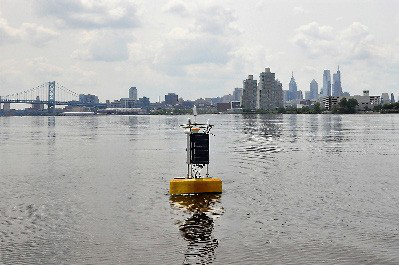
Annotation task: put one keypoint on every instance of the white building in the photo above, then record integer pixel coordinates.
(366, 102)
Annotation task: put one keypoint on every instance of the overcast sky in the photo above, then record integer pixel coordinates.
(196, 48)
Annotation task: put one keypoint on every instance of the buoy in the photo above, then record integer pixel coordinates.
(197, 160)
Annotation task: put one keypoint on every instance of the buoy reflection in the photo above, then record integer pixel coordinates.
(197, 228)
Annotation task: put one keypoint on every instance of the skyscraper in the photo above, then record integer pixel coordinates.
(249, 93)
(392, 98)
(133, 93)
(337, 88)
(270, 91)
(326, 83)
(293, 89)
(314, 89)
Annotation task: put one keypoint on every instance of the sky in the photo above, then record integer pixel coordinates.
(196, 48)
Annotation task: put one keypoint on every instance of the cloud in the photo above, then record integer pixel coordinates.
(352, 43)
(176, 7)
(89, 14)
(27, 32)
(104, 45)
(216, 20)
(209, 40)
(176, 54)
(43, 68)
(298, 10)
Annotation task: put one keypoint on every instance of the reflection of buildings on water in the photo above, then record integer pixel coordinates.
(197, 228)
(262, 125)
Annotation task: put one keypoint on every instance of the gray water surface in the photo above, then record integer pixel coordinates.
(297, 189)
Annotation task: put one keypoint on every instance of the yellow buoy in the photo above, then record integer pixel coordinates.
(194, 186)
(197, 159)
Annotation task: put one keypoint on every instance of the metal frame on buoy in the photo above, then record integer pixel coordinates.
(197, 159)
(197, 147)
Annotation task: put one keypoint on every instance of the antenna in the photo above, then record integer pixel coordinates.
(195, 113)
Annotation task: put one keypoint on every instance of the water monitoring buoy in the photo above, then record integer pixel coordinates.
(197, 160)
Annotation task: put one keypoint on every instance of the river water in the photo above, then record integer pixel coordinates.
(297, 189)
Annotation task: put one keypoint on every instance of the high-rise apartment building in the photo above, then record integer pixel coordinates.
(133, 93)
(314, 90)
(293, 89)
(326, 84)
(237, 94)
(269, 92)
(337, 88)
(249, 93)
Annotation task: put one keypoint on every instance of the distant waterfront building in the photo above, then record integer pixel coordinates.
(299, 95)
(133, 93)
(90, 99)
(293, 89)
(223, 107)
(307, 95)
(249, 95)
(237, 94)
(365, 102)
(270, 91)
(37, 105)
(171, 99)
(144, 102)
(127, 103)
(314, 90)
(227, 98)
(6, 107)
(326, 84)
(337, 88)
(385, 98)
(392, 98)
(285, 95)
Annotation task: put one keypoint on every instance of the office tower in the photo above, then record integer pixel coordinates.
(171, 99)
(293, 89)
(133, 93)
(337, 88)
(299, 95)
(314, 89)
(392, 98)
(286, 94)
(249, 93)
(307, 95)
(237, 94)
(326, 83)
(270, 91)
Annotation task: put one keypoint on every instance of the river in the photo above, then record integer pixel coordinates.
(297, 189)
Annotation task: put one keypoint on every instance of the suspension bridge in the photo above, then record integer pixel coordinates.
(50, 94)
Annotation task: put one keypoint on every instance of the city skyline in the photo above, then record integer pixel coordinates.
(195, 49)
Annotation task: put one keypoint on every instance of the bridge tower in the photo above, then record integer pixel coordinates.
(51, 97)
